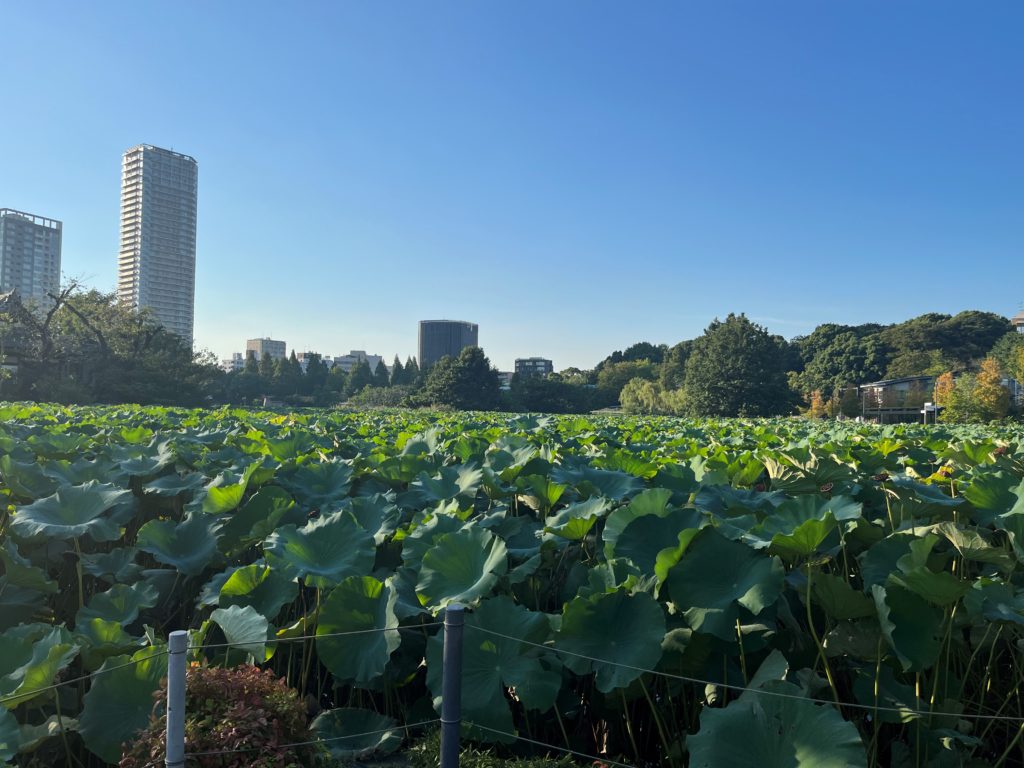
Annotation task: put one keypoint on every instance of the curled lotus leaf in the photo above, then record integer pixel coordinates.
(462, 567)
(31, 657)
(354, 734)
(120, 603)
(358, 604)
(266, 589)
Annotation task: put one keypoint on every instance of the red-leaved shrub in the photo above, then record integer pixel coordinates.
(242, 708)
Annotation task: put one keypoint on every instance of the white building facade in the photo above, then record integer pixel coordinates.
(157, 260)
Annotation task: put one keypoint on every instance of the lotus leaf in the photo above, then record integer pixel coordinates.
(716, 577)
(10, 736)
(623, 631)
(264, 588)
(246, 629)
(119, 700)
(575, 521)
(31, 656)
(189, 546)
(354, 734)
(324, 551)
(358, 604)
(19, 572)
(461, 567)
(315, 485)
(72, 512)
(119, 604)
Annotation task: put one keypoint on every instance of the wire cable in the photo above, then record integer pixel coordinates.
(516, 736)
(745, 689)
(35, 691)
(269, 641)
(266, 748)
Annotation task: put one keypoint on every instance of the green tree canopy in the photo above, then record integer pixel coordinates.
(467, 381)
(737, 369)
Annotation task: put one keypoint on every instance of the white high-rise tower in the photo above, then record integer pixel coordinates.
(156, 268)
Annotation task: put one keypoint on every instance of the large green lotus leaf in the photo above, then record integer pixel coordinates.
(116, 566)
(324, 551)
(266, 589)
(375, 514)
(256, 519)
(34, 736)
(226, 492)
(799, 526)
(175, 484)
(539, 492)
(99, 639)
(354, 734)
(10, 736)
(291, 446)
(616, 627)
(31, 656)
(19, 605)
(358, 604)
(82, 471)
(939, 588)
(491, 663)
(575, 521)
(19, 572)
(651, 502)
(764, 731)
(971, 545)
(838, 599)
(646, 537)
(910, 626)
(120, 603)
(72, 512)
(246, 629)
(715, 577)
(462, 567)
(992, 492)
(189, 546)
(448, 483)
(611, 484)
(316, 485)
(416, 544)
(880, 560)
(27, 480)
(120, 699)
(995, 601)
(487, 659)
(144, 461)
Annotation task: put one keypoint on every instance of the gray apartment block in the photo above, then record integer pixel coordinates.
(529, 367)
(445, 337)
(157, 261)
(29, 255)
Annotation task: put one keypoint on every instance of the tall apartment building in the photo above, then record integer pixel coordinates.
(529, 367)
(156, 268)
(445, 337)
(29, 255)
(266, 346)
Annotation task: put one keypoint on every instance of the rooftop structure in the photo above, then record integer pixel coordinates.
(356, 356)
(529, 367)
(29, 255)
(1018, 321)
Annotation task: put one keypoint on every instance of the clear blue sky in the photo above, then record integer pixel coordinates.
(573, 176)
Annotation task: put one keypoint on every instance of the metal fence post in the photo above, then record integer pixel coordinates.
(177, 645)
(451, 686)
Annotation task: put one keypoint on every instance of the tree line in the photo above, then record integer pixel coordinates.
(85, 347)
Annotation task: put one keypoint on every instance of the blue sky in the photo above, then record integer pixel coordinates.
(573, 176)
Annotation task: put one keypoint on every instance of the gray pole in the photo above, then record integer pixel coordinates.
(451, 686)
(177, 645)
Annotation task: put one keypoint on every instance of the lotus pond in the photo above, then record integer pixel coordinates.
(690, 593)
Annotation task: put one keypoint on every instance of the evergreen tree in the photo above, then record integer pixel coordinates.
(252, 367)
(380, 375)
(358, 378)
(397, 373)
(316, 374)
(412, 372)
(267, 366)
(737, 369)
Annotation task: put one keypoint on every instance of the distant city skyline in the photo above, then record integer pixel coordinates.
(573, 177)
(30, 253)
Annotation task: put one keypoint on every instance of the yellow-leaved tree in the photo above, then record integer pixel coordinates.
(943, 388)
(993, 399)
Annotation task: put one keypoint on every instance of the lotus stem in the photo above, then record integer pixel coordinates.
(817, 642)
(629, 725)
(657, 721)
(1010, 747)
(743, 656)
(78, 571)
